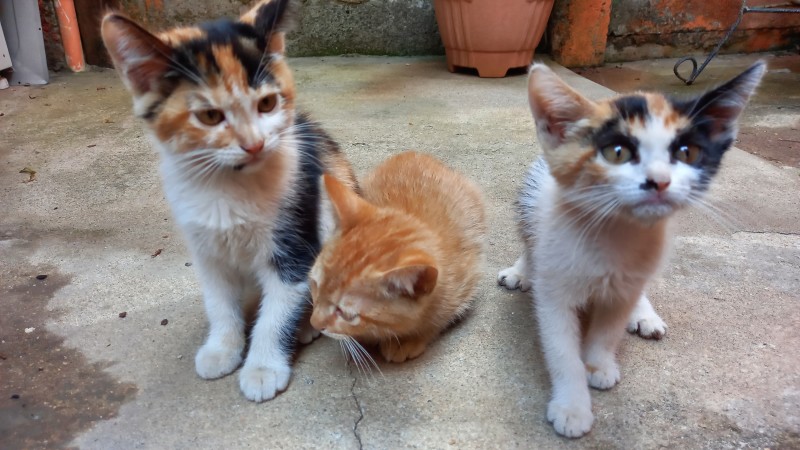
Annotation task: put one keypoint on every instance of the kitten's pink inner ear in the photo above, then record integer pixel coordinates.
(555, 105)
(141, 57)
(412, 281)
(277, 43)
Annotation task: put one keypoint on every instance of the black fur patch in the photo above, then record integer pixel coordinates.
(632, 107)
(296, 237)
(712, 149)
(269, 18)
(288, 339)
(611, 134)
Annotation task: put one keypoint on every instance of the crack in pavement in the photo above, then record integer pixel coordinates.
(360, 410)
(782, 233)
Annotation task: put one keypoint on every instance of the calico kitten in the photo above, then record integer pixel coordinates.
(241, 170)
(593, 218)
(405, 260)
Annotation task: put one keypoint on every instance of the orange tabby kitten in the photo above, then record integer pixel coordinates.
(405, 259)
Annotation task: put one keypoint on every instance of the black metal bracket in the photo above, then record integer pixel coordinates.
(742, 11)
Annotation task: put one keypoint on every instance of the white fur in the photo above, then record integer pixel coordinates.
(570, 272)
(593, 249)
(228, 219)
(645, 322)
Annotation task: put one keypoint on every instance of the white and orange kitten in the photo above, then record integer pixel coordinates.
(593, 218)
(241, 170)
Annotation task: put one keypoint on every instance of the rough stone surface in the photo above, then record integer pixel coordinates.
(726, 375)
(675, 28)
(324, 27)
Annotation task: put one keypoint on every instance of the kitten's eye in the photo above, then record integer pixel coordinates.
(344, 315)
(210, 117)
(267, 103)
(617, 154)
(688, 154)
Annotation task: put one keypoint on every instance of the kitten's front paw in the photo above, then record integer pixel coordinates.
(261, 383)
(306, 333)
(570, 419)
(512, 279)
(603, 376)
(648, 326)
(215, 360)
(396, 352)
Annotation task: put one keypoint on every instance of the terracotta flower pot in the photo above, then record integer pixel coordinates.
(491, 35)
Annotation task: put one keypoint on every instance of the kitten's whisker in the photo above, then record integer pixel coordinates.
(369, 357)
(717, 214)
(597, 214)
(358, 359)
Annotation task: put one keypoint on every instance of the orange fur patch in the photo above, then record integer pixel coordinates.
(419, 213)
(177, 36)
(235, 74)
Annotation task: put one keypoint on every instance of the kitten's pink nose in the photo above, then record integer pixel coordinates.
(255, 148)
(659, 186)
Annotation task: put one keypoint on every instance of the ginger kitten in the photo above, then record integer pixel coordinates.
(405, 259)
(241, 170)
(593, 219)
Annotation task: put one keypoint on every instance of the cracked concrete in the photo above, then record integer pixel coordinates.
(360, 411)
(726, 376)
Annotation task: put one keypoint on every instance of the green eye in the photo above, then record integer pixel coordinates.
(687, 154)
(617, 154)
(210, 117)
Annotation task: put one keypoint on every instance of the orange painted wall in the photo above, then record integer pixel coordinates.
(669, 28)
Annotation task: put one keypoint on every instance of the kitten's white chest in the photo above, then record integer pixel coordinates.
(224, 221)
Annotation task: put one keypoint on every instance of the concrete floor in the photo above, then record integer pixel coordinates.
(72, 372)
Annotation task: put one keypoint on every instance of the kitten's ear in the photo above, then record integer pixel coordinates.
(271, 19)
(556, 107)
(141, 58)
(347, 205)
(415, 278)
(723, 105)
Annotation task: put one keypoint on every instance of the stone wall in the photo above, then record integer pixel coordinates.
(324, 27)
(672, 28)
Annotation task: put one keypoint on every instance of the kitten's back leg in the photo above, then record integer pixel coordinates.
(645, 322)
(517, 276)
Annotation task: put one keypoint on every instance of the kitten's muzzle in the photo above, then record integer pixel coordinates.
(253, 148)
(658, 186)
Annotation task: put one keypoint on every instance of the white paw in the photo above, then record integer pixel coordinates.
(307, 333)
(512, 279)
(215, 360)
(603, 376)
(648, 326)
(260, 383)
(570, 420)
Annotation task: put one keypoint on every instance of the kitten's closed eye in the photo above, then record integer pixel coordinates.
(345, 315)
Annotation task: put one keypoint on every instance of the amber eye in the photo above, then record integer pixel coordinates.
(617, 154)
(344, 315)
(267, 103)
(210, 117)
(688, 154)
